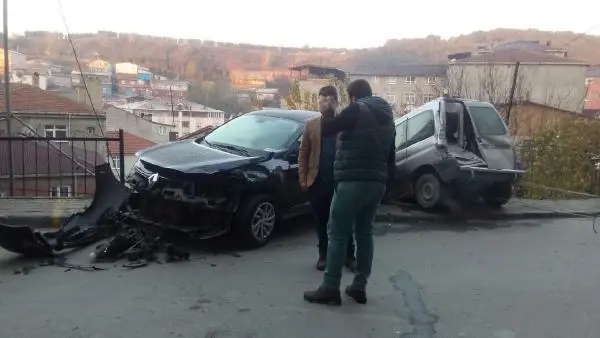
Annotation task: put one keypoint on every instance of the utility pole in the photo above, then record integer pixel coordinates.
(7, 98)
(512, 93)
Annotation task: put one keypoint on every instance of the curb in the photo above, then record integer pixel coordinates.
(54, 222)
(406, 218)
(35, 222)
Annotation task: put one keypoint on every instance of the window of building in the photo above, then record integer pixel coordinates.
(410, 80)
(91, 130)
(162, 130)
(428, 97)
(431, 80)
(115, 163)
(409, 98)
(390, 98)
(61, 191)
(374, 79)
(391, 80)
(54, 131)
(185, 124)
(420, 127)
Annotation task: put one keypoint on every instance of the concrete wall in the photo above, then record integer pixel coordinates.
(561, 86)
(121, 119)
(528, 119)
(77, 126)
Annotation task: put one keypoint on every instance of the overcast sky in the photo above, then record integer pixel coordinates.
(317, 23)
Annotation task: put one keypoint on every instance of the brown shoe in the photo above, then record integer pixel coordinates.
(323, 296)
(321, 264)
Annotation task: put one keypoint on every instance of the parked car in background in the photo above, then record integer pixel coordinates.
(241, 178)
(455, 148)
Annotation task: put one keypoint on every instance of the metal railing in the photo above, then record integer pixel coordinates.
(57, 166)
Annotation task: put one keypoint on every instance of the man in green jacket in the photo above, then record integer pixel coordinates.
(364, 165)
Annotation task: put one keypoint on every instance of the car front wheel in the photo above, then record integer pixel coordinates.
(255, 221)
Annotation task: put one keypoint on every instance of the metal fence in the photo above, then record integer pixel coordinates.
(56, 167)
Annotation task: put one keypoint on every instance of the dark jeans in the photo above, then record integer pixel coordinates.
(354, 206)
(320, 194)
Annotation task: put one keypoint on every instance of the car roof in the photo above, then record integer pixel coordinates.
(296, 115)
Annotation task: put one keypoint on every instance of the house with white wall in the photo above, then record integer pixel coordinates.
(185, 115)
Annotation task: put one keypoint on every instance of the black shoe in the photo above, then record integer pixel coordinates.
(323, 296)
(359, 296)
(321, 263)
(351, 264)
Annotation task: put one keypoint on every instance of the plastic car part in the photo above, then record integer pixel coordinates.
(77, 230)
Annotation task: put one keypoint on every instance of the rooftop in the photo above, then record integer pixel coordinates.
(165, 105)
(320, 70)
(29, 99)
(515, 55)
(132, 143)
(400, 70)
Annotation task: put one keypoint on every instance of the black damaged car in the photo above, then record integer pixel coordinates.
(241, 178)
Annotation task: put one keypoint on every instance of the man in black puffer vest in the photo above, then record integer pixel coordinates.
(364, 165)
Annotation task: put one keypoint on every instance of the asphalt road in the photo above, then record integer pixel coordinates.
(494, 280)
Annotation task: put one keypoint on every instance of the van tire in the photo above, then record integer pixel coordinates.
(428, 191)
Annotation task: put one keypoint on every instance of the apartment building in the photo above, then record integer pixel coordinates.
(404, 86)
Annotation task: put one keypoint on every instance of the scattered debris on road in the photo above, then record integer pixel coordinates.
(107, 217)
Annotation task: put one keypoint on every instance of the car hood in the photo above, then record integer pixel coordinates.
(187, 156)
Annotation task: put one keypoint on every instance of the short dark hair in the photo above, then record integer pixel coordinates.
(329, 91)
(359, 88)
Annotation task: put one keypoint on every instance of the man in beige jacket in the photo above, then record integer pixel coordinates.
(315, 168)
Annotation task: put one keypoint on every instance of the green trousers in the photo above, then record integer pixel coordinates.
(353, 208)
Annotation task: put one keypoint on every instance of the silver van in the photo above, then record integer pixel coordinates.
(452, 148)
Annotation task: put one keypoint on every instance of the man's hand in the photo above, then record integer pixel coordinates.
(303, 186)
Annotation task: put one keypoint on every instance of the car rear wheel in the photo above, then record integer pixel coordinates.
(428, 191)
(255, 221)
(498, 195)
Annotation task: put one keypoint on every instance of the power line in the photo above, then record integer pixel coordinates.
(83, 77)
(584, 33)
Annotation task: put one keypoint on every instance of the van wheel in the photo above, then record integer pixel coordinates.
(498, 195)
(254, 222)
(428, 191)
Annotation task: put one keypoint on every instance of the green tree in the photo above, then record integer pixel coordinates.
(301, 99)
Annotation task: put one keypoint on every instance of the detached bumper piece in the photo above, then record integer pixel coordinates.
(80, 229)
(104, 218)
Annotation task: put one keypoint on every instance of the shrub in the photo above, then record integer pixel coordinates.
(560, 157)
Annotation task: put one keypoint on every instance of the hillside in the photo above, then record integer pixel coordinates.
(207, 60)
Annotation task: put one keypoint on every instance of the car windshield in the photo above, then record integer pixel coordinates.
(259, 132)
(487, 121)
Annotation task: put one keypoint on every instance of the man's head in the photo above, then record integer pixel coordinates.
(328, 100)
(358, 89)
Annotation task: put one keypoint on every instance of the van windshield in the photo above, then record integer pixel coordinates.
(487, 121)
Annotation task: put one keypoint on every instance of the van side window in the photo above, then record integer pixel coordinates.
(420, 127)
(401, 135)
